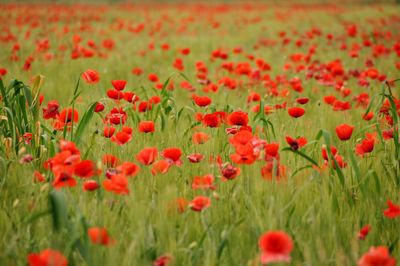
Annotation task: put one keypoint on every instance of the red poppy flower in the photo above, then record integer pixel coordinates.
(99, 235)
(153, 77)
(253, 97)
(146, 127)
(147, 156)
(115, 94)
(85, 169)
(302, 100)
(271, 150)
(137, 71)
(230, 172)
(90, 185)
(330, 99)
(244, 154)
(201, 101)
(325, 153)
(155, 100)
(296, 112)
(52, 110)
(99, 107)
(341, 106)
(185, 51)
(200, 203)
(238, 118)
(200, 138)
(68, 115)
(130, 97)
(203, 182)
(127, 130)
(273, 169)
(69, 146)
(295, 144)
(367, 144)
(392, 211)
(63, 179)
(364, 232)
(119, 85)
(340, 162)
(160, 167)
(275, 246)
(117, 116)
(211, 120)
(3, 72)
(121, 138)
(241, 138)
(91, 76)
(172, 155)
(38, 177)
(144, 106)
(117, 184)
(163, 260)
(27, 137)
(108, 131)
(377, 256)
(128, 169)
(344, 131)
(110, 160)
(368, 116)
(47, 257)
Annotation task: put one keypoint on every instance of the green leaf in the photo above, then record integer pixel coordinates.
(305, 156)
(83, 124)
(327, 138)
(377, 182)
(58, 209)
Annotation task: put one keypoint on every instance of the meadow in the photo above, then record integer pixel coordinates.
(199, 134)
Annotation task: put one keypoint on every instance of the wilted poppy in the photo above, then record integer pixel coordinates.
(52, 110)
(230, 172)
(195, 157)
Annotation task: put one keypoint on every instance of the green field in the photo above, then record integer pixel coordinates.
(254, 62)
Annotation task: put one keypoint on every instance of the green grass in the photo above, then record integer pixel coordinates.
(322, 215)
